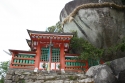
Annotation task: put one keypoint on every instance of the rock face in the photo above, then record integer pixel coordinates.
(118, 65)
(103, 27)
(121, 77)
(69, 7)
(110, 72)
(102, 74)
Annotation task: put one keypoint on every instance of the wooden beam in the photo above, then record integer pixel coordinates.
(22, 51)
(67, 54)
(54, 40)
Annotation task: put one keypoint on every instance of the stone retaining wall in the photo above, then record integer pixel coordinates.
(29, 76)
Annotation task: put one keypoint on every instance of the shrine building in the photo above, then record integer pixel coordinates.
(48, 51)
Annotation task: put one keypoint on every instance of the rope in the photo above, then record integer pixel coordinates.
(69, 18)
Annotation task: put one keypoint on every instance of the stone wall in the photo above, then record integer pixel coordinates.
(29, 76)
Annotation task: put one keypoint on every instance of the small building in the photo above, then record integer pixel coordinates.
(49, 51)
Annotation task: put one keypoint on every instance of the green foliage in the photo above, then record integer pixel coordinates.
(114, 50)
(22, 81)
(55, 28)
(86, 50)
(3, 70)
(2, 79)
(3, 67)
(108, 63)
(51, 29)
(121, 45)
(76, 44)
(59, 27)
(89, 51)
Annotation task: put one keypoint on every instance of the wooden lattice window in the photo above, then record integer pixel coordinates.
(44, 55)
(55, 55)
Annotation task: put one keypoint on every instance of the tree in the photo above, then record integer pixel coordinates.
(55, 28)
(51, 29)
(88, 51)
(3, 70)
(85, 49)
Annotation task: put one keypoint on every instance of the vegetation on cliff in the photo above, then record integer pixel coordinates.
(85, 49)
(88, 51)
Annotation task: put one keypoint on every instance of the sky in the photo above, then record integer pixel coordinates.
(16, 16)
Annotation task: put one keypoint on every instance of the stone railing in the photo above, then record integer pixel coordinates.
(29, 76)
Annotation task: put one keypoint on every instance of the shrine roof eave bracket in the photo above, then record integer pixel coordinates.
(28, 42)
(47, 36)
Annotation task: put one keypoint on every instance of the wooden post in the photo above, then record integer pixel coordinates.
(62, 57)
(37, 58)
(87, 65)
(11, 66)
(50, 57)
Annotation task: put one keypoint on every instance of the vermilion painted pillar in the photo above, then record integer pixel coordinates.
(62, 57)
(87, 65)
(37, 58)
(11, 66)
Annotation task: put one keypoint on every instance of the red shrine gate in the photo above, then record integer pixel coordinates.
(44, 40)
(48, 50)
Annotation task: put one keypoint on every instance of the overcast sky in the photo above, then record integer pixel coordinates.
(18, 15)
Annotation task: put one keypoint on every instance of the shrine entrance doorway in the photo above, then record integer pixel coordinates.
(50, 58)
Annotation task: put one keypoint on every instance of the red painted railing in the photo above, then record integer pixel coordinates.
(70, 64)
(78, 65)
(75, 65)
(24, 63)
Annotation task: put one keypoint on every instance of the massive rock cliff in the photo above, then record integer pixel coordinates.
(102, 24)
